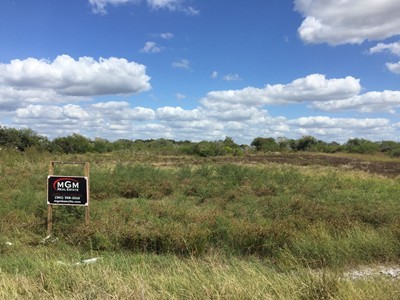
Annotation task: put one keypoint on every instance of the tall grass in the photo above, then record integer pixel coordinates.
(326, 216)
(196, 231)
(46, 275)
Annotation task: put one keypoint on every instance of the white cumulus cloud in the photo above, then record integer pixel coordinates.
(51, 114)
(386, 101)
(393, 48)
(237, 113)
(168, 113)
(394, 67)
(64, 79)
(342, 21)
(342, 129)
(121, 111)
(314, 87)
(327, 122)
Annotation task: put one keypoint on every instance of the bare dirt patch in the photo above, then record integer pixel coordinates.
(368, 272)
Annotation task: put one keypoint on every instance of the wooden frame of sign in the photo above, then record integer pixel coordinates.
(67, 190)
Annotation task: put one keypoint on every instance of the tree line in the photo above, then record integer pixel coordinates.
(23, 139)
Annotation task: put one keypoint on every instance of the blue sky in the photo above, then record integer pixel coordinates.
(201, 70)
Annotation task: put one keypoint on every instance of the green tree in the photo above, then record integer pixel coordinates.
(102, 145)
(284, 144)
(22, 139)
(265, 144)
(75, 143)
(359, 145)
(305, 143)
(123, 144)
(325, 147)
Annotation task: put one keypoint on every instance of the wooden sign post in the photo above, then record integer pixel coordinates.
(67, 190)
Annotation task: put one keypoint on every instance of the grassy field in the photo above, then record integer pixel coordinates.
(192, 228)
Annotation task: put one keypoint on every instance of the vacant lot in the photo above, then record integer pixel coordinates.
(277, 226)
(371, 164)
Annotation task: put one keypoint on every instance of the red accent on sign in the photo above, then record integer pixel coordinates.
(63, 179)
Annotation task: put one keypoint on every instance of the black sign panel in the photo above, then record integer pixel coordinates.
(67, 190)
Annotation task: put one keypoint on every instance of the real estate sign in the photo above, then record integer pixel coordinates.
(67, 190)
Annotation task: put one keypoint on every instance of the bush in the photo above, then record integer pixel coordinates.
(361, 146)
(22, 139)
(75, 143)
(265, 144)
(305, 143)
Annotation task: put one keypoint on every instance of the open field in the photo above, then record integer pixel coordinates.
(374, 164)
(292, 226)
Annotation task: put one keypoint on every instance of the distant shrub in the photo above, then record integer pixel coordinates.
(395, 153)
(22, 139)
(75, 143)
(305, 143)
(265, 144)
(358, 145)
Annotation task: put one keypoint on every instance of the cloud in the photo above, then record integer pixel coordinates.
(240, 113)
(394, 67)
(190, 10)
(106, 119)
(314, 87)
(166, 35)
(327, 122)
(173, 5)
(66, 115)
(181, 64)
(115, 119)
(100, 6)
(342, 129)
(337, 94)
(214, 75)
(168, 113)
(151, 47)
(120, 111)
(169, 4)
(12, 98)
(340, 22)
(111, 105)
(393, 48)
(82, 77)
(237, 113)
(180, 96)
(232, 77)
(386, 101)
(39, 81)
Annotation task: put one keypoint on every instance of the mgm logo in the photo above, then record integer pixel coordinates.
(66, 184)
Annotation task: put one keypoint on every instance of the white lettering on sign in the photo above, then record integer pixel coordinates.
(68, 190)
(66, 185)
